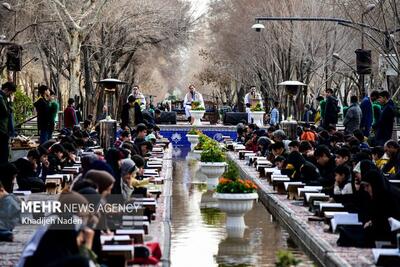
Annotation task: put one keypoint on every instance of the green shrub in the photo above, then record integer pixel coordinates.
(196, 105)
(212, 153)
(286, 258)
(257, 108)
(22, 105)
(232, 171)
(194, 131)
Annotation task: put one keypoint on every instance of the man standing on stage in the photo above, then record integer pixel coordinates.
(191, 96)
(251, 99)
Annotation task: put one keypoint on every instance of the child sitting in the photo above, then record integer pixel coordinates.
(342, 181)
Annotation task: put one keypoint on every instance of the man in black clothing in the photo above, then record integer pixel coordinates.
(6, 120)
(331, 109)
(44, 119)
(131, 115)
(384, 126)
(27, 176)
(326, 166)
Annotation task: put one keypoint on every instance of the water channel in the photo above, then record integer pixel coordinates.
(199, 236)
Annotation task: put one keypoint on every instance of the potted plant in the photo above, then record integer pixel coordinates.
(193, 137)
(235, 197)
(197, 112)
(198, 149)
(212, 163)
(257, 115)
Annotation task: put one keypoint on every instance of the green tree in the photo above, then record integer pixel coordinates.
(23, 106)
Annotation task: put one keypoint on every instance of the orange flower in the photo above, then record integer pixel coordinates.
(224, 181)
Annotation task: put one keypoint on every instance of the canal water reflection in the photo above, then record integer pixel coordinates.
(199, 236)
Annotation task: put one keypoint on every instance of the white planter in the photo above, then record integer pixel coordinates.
(197, 115)
(213, 171)
(193, 140)
(197, 154)
(235, 206)
(258, 117)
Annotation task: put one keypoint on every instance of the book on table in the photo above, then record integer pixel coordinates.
(344, 219)
(386, 256)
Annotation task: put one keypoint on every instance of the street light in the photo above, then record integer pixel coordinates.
(8, 7)
(336, 56)
(258, 27)
(369, 8)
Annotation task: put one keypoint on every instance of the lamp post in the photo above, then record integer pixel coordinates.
(344, 22)
(7, 7)
(369, 8)
(336, 56)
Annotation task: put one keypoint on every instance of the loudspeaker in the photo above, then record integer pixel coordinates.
(364, 61)
(14, 58)
(233, 118)
(167, 118)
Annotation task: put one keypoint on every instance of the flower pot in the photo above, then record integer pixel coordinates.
(197, 115)
(235, 206)
(197, 154)
(258, 117)
(193, 140)
(213, 171)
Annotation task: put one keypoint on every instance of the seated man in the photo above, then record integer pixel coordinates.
(71, 151)
(342, 181)
(9, 204)
(141, 133)
(326, 166)
(27, 172)
(56, 159)
(145, 149)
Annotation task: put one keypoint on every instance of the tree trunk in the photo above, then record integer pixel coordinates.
(75, 63)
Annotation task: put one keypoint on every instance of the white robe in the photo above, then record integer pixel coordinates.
(187, 102)
(249, 99)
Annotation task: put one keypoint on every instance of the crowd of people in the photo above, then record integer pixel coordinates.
(117, 172)
(354, 166)
(352, 169)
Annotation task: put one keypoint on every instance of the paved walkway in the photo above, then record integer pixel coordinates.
(293, 216)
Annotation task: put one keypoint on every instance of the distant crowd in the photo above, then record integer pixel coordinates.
(358, 167)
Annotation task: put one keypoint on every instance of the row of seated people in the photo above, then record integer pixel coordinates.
(364, 179)
(116, 177)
